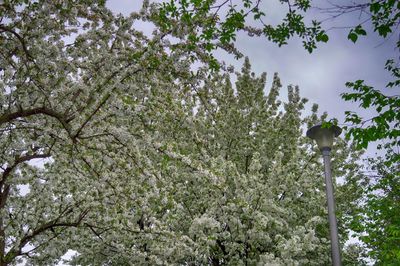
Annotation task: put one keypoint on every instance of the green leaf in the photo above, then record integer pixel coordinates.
(375, 7)
(383, 30)
(359, 30)
(352, 36)
(322, 37)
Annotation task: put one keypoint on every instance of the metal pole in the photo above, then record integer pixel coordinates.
(336, 260)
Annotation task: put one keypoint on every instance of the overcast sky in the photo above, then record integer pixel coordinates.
(320, 75)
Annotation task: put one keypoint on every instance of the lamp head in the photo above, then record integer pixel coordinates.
(324, 136)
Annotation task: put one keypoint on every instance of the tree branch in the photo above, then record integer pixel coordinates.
(8, 117)
(17, 251)
(20, 39)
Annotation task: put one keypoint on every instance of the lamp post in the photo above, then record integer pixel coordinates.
(324, 138)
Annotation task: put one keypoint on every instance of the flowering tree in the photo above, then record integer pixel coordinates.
(146, 157)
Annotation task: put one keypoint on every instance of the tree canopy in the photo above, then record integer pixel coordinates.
(147, 156)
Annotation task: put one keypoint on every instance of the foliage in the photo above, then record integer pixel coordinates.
(384, 126)
(384, 15)
(379, 222)
(216, 23)
(149, 158)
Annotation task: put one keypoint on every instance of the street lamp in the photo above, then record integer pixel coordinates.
(324, 137)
